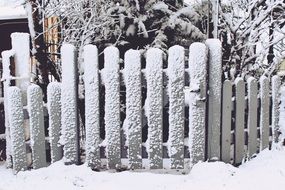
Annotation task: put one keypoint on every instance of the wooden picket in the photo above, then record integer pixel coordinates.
(215, 97)
(226, 122)
(7, 58)
(35, 108)
(252, 116)
(276, 83)
(69, 114)
(197, 104)
(16, 121)
(112, 107)
(239, 120)
(92, 116)
(210, 136)
(154, 106)
(54, 111)
(176, 106)
(264, 112)
(133, 120)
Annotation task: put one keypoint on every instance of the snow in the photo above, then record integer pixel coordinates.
(133, 122)
(11, 2)
(69, 117)
(176, 85)
(32, 31)
(154, 77)
(12, 12)
(264, 172)
(276, 83)
(214, 98)
(54, 110)
(282, 113)
(112, 106)
(21, 46)
(6, 78)
(197, 105)
(36, 118)
(16, 121)
(252, 116)
(264, 112)
(92, 117)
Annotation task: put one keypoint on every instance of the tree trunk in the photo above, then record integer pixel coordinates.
(44, 63)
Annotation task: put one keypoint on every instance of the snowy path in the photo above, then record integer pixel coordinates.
(266, 171)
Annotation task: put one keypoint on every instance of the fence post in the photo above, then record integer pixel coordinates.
(252, 116)
(35, 109)
(154, 76)
(239, 120)
(197, 105)
(112, 107)
(21, 46)
(226, 122)
(264, 112)
(214, 101)
(16, 121)
(54, 110)
(69, 114)
(6, 63)
(176, 106)
(276, 83)
(92, 112)
(132, 77)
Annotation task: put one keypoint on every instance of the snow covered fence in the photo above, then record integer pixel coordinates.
(7, 62)
(197, 103)
(16, 72)
(247, 125)
(69, 113)
(35, 108)
(54, 111)
(92, 116)
(151, 106)
(16, 121)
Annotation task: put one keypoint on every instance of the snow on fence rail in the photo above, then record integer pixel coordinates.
(243, 129)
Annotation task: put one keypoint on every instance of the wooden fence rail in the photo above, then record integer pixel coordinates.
(236, 127)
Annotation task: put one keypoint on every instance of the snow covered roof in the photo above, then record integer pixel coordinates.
(12, 12)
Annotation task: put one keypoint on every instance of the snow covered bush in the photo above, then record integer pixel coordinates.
(127, 24)
(253, 37)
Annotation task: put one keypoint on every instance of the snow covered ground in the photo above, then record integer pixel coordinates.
(266, 171)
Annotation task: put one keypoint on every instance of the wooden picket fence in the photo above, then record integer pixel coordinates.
(225, 120)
